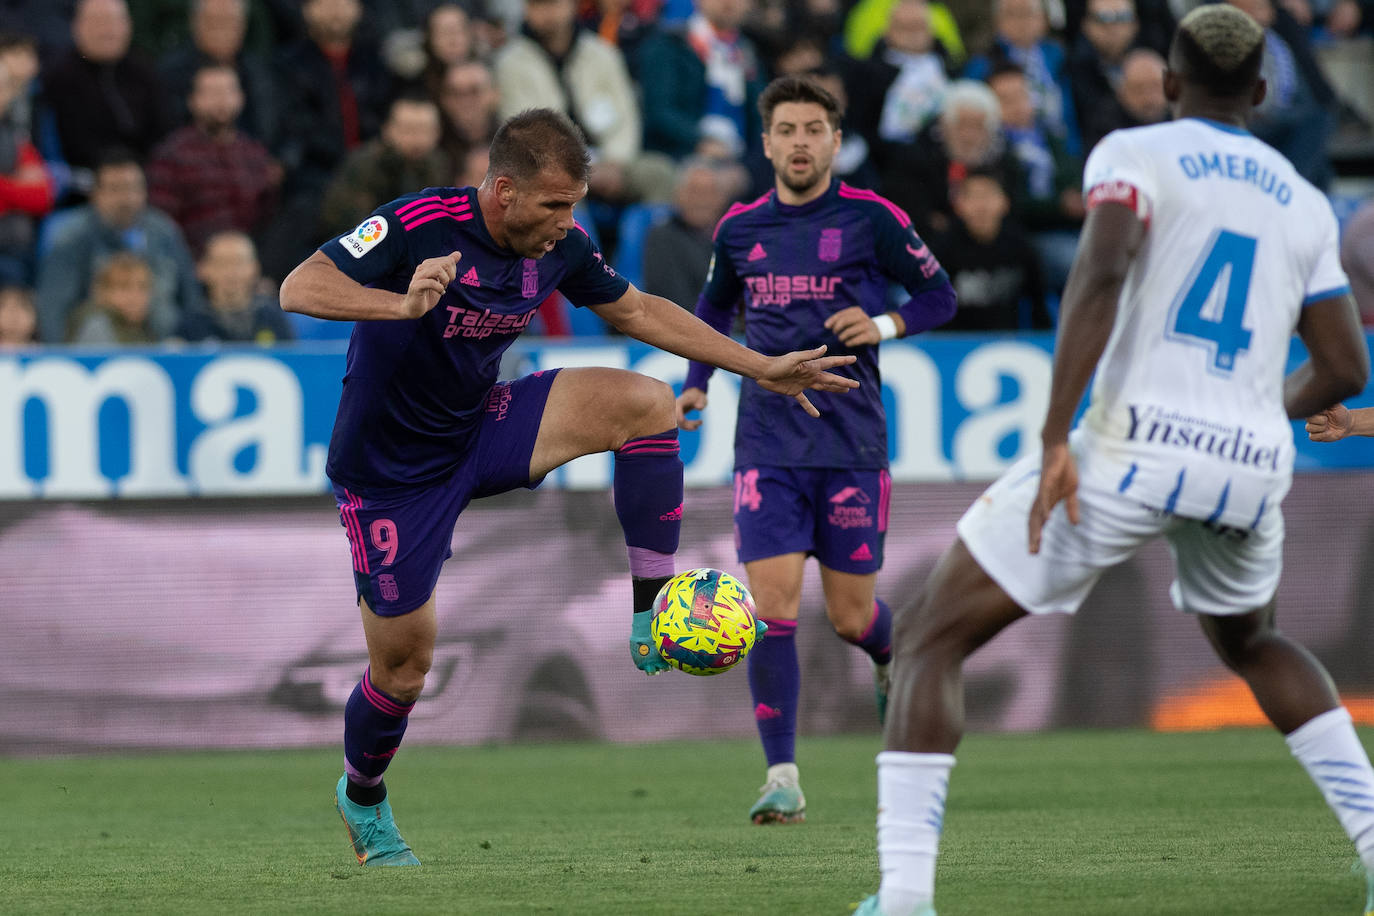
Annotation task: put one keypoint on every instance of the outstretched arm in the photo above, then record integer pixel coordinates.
(658, 322)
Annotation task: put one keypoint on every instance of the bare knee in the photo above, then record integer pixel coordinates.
(400, 651)
(1237, 639)
(645, 407)
(776, 603)
(959, 610)
(850, 619)
(401, 676)
(922, 630)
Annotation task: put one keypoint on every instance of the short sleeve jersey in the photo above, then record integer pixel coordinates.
(414, 390)
(1186, 412)
(794, 267)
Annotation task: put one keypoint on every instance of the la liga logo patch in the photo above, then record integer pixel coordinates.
(366, 237)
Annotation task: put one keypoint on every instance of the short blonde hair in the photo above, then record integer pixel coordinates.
(1219, 47)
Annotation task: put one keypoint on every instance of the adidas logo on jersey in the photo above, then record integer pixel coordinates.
(757, 253)
(470, 278)
(862, 555)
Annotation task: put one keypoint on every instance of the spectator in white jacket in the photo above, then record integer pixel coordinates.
(554, 63)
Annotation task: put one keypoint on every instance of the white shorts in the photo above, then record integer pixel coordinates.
(1217, 570)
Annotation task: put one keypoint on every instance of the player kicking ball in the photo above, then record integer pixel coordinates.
(440, 283)
(811, 262)
(1203, 251)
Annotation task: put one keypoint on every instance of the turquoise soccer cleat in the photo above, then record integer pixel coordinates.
(646, 656)
(782, 801)
(869, 907)
(371, 830)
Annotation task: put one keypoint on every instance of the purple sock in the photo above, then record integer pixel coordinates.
(373, 726)
(648, 495)
(877, 639)
(775, 683)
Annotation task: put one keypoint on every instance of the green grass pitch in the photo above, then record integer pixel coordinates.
(1062, 823)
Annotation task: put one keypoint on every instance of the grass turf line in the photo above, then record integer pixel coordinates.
(1063, 823)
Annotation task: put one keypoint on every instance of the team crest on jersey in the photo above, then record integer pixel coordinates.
(829, 248)
(366, 237)
(529, 278)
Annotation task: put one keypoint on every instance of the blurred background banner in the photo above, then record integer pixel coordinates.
(158, 620)
(156, 423)
(231, 623)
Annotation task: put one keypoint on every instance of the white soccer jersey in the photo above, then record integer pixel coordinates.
(1186, 413)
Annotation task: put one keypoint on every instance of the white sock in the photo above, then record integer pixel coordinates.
(785, 773)
(1330, 751)
(911, 812)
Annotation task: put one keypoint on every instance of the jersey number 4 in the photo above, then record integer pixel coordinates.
(1202, 318)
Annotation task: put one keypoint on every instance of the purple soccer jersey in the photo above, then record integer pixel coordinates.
(794, 267)
(414, 391)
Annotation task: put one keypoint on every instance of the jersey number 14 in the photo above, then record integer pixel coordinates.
(1221, 330)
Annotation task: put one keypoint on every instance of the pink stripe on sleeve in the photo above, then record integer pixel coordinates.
(415, 214)
(737, 209)
(859, 194)
(433, 216)
(433, 199)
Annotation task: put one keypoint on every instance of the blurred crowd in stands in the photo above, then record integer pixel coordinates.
(165, 163)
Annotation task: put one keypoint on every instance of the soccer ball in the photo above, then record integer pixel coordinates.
(704, 621)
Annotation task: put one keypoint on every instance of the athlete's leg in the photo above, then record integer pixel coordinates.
(775, 684)
(1297, 695)
(399, 544)
(861, 619)
(597, 410)
(960, 609)
(851, 528)
(985, 581)
(1289, 684)
(857, 615)
(400, 650)
(774, 672)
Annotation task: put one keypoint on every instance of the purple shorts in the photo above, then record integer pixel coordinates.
(838, 515)
(400, 541)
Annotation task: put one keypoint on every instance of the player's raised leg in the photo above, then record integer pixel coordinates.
(1297, 695)
(960, 610)
(400, 650)
(775, 685)
(597, 410)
